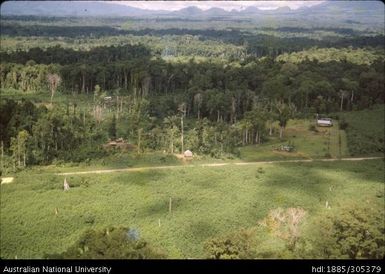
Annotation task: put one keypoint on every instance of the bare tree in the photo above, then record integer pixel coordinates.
(53, 80)
(182, 109)
(295, 216)
(66, 185)
(198, 103)
(285, 224)
(343, 94)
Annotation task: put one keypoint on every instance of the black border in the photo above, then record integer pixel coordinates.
(206, 266)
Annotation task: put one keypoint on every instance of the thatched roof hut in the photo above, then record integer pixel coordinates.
(188, 154)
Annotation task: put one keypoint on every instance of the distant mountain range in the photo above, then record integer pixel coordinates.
(68, 8)
(78, 8)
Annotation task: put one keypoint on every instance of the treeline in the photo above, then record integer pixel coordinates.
(356, 56)
(34, 134)
(64, 56)
(344, 31)
(256, 44)
(310, 85)
(268, 45)
(60, 31)
(100, 31)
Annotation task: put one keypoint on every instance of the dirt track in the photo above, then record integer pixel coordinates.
(213, 165)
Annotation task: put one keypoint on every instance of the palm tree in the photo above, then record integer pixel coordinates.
(284, 112)
(171, 127)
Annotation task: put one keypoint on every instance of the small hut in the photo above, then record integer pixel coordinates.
(188, 154)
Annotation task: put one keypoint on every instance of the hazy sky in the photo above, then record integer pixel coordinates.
(227, 5)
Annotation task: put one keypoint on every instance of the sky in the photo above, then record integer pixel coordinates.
(226, 5)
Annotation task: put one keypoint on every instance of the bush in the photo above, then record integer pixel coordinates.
(88, 218)
(334, 116)
(353, 232)
(313, 128)
(110, 243)
(232, 246)
(343, 124)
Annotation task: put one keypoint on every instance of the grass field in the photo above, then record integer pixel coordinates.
(225, 199)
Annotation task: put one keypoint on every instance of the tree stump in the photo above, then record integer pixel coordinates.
(66, 185)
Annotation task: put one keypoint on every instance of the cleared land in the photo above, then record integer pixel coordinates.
(308, 144)
(227, 194)
(225, 199)
(138, 169)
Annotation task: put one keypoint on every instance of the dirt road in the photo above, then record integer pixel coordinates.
(99, 171)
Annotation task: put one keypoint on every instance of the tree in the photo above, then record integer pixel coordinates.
(306, 88)
(355, 231)
(284, 113)
(192, 140)
(198, 104)
(182, 109)
(53, 82)
(110, 243)
(235, 245)
(255, 121)
(285, 224)
(274, 88)
(171, 128)
(19, 148)
(351, 86)
(140, 131)
(112, 128)
(98, 102)
(343, 94)
(271, 116)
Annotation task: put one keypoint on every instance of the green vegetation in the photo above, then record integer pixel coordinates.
(113, 243)
(351, 232)
(355, 56)
(90, 95)
(365, 131)
(317, 143)
(225, 199)
(356, 232)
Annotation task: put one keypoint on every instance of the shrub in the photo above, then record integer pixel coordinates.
(285, 224)
(232, 246)
(353, 232)
(109, 243)
(275, 236)
(313, 128)
(343, 124)
(327, 155)
(88, 218)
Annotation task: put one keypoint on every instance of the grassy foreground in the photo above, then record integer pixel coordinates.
(224, 199)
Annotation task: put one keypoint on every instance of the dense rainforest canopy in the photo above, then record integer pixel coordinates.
(230, 85)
